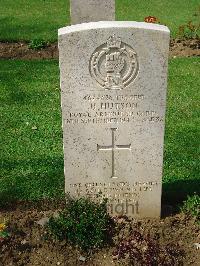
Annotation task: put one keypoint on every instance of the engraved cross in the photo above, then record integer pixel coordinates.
(112, 148)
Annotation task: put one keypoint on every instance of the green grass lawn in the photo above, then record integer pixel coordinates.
(172, 13)
(182, 148)
(31, 140)
(31, 136)
(32, 19)
(40, 19)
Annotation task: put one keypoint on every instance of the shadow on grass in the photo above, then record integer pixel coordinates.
(176, 192)
(45, 180)
(16, 32)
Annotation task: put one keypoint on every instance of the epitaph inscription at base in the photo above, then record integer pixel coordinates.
(113, 90)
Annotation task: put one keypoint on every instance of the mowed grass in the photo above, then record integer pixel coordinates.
(32, 19)
(182, 138)
(31, 137)
(172, 13)
(31, 134)
(40, 19)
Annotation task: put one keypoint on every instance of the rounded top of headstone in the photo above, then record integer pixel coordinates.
(112, 24)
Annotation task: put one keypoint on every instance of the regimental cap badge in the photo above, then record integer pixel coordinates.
(114, 64)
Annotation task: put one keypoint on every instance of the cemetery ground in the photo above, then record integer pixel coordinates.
(41, 20)
(28, 20)
(32, 178)
(38, 49)
(32, 162)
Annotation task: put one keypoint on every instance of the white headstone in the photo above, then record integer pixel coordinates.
(91, 10)
(113, 86)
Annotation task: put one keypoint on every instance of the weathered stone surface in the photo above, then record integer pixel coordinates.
(91, 10)
(113, 89)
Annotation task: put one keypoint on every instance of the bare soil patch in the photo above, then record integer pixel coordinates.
(30, 246)
(185, 48)
(20, 50)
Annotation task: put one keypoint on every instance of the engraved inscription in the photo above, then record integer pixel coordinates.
(112, 148)
(120, 109)
(114, 64)
(114, 191)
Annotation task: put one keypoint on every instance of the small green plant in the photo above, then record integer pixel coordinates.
(189, 30)
(83, 223)
(192, 206)
(37, 44)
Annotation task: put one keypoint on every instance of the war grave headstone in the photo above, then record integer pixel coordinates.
(91, 10)
(113, 95)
